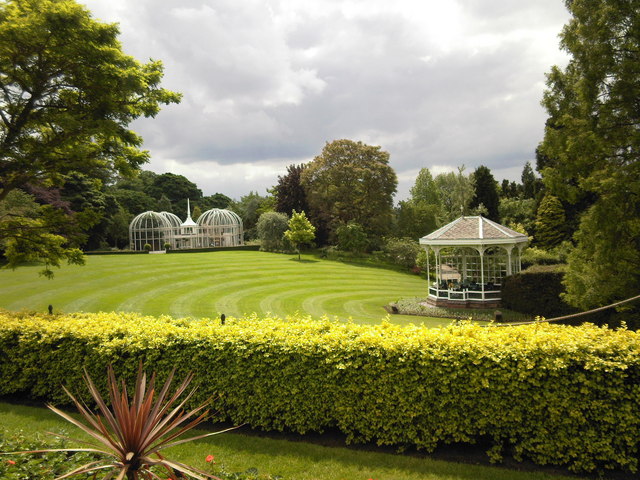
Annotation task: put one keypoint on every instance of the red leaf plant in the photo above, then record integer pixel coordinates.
(130, 434)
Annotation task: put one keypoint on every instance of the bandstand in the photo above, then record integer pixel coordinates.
(472, 257)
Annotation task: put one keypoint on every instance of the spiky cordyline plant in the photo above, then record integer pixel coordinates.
(131, 434)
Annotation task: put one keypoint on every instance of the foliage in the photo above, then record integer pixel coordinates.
(352, 238)
(300, 231)
(289, 191)
(605, 265)
(43, 466)
(29, 232)
(518, 211)
(217, 200)
(177, 188)
(147, 247)
(69, 94)
(550, 223)
(418, 306)
(415, 219)
(531, 185)
(536, 292)
(351, 181)
(485, 192)
(249, 208)
(271, 227)
(402, 251)
(425, 189)
(69, 111)
(590, 149)
(52, 464)
(551, 393)
(130, 432)
(456, 190)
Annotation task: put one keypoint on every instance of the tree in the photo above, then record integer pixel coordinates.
(300, 231)
(591, 144)
(217, 200)
(351, 181)
(177, 188)
(455, 191)
(271, 227)
(550, 223)
(29, 232)
(486, 192)
(518, 211)
(249, 207)
(289, 192)
(352, 238)
(164, 204)
(195, 215)
(67, 96)
(425, 189)
(416, 219)
(530, 184)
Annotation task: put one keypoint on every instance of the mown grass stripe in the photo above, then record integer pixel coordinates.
(207, 284)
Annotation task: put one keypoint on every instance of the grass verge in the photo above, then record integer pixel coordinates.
(291, 460)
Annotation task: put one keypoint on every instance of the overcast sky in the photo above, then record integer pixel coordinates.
(266, 83)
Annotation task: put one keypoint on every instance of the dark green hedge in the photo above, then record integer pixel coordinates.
(536, 291)
(554, 394)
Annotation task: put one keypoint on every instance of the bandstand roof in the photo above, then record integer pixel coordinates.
(474, 230)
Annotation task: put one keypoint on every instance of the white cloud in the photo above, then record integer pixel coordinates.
(267, 82)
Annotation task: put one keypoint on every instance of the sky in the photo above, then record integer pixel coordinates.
(267, 83)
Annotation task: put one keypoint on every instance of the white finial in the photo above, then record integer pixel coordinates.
(188, 209)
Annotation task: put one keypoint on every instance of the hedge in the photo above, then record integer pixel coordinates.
(536, 291)
(554, 394)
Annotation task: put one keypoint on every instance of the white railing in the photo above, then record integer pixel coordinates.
(464, 294)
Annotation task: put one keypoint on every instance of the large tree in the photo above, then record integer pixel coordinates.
(455, 190)
(177, 188)
(591, 147)
(67, 96)
(289, 192)
(486, 192)
(351, 181)
(425, 189)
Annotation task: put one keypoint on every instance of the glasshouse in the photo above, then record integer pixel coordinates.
(472, 257)
(214, 228)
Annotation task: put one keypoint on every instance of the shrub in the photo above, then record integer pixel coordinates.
(352, 238)
(147, 247)
(536, 291)
(552, 393)
(402, 251)
(271, 227)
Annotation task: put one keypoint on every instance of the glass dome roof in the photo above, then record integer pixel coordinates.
(219, 217)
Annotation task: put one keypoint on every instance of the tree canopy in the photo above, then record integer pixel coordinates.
(351, 181)
(486, 192)
(591, 144)
(67, 96)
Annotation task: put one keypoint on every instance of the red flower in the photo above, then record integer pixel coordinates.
(209, 459)
(11, 462)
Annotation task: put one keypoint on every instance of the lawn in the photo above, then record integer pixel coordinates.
(297, 460)
(208, 284)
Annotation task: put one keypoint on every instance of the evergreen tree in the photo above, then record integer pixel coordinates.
(591, 144)
(486, 193)
(550, 223)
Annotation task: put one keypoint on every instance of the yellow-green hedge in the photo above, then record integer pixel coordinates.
(555, 394)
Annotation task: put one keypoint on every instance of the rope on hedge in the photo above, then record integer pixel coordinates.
(564, 317)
